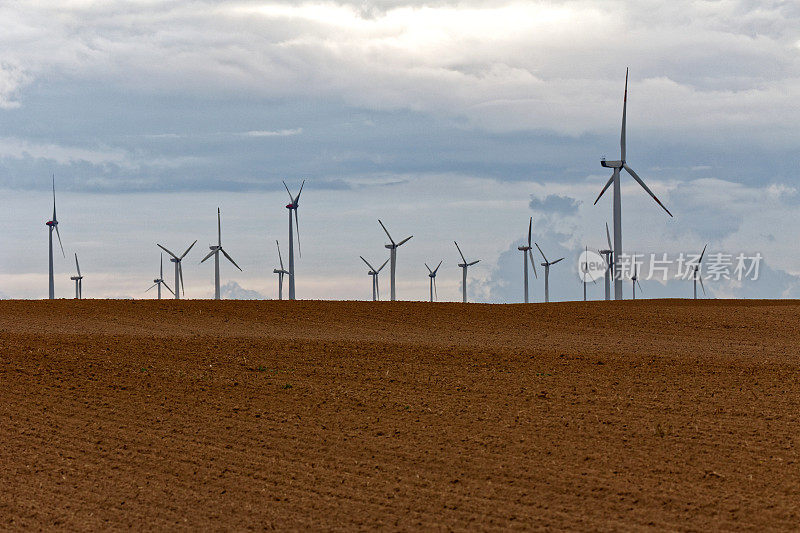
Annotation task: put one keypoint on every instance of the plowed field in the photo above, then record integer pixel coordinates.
(153, 415)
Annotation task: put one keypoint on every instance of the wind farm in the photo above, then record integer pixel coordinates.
(378, 379)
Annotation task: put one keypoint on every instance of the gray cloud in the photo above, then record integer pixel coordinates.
(553, 203)
(233, 291)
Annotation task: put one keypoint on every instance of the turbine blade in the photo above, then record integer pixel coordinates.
(383, 265)
(77, 265)
(367, 262)
(386, 230)
(161, 269)
(608, 184)
(291, 198)
(279, 253)
(530, 230)
(153, 285)
(698, 262)
(429, 268)
(230, 259)
(58, 234)
(297, 198)
(624, 112)
(187, 250)
(541, 252)
(556, 261)
(435, 292)
(639, 285)
(437, 266)
(608, 237)
(209, 255)
(473, 263)
(297, 225)
(401, 243)
(167, 286)
(701, 284)
(182, 288)
(533, 264)
(54, 197)
(459, 252)
(170, 253)
(219, 228)
(645, 187)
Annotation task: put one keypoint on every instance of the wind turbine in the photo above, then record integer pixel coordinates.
(215, 250)
(179, 286)
(464, 267)
(615, 180)
(280, 272)
(526, 251)
(376, 291)
(585, 272)
(393, 257)
(292, 206)
(158, 282)
(635, 280)
(432, 275)
(53, 224)
(697, 275)
(78, 280)
(608, 254)
(546, 266)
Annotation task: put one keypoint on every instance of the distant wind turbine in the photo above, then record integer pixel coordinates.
(160, 281)
(615, 180)
(179, 286)
(526, 252)
(635, 280)
(697, 275)
(215, 250)
(546, 266)
(608, 255)
(280, 272)
(292, 206)
(53, 225)
(78, 280)
(376, 291)
(585, 272)
(432, 276)
(464, 266)
(393, 257)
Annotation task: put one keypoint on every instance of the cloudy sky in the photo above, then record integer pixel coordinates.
(446, 119)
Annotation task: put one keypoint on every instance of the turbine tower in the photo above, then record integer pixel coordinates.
(53, 225)
(432, 275)
(376, 291)
(292, 206)
(546, 266)
(608, 255)
(585, 272)
(393, 257)
(617, 166)
(178, 270)
(526, 252)
(280, 272)
(635, 280)
(697, 275)
(215, 250)
(78, 280)
(158, 282)
(464, 266)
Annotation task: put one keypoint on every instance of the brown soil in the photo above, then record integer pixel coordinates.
(352, 415)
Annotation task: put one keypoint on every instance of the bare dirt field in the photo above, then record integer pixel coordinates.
(238, 415)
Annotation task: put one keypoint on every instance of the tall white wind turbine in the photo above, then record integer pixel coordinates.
(526, 252)
(608, 255)
(464, 266)
(546, 266)
(617, 166)
(697, 275)
(78, 280)
(160, 281)
(393, 258)
(215, 250)
(53, 225)
(432, 276)
(292, 206)
(376, 291)
(280, 272)
(179, 286)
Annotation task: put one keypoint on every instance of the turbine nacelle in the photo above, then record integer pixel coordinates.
(612, 164)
